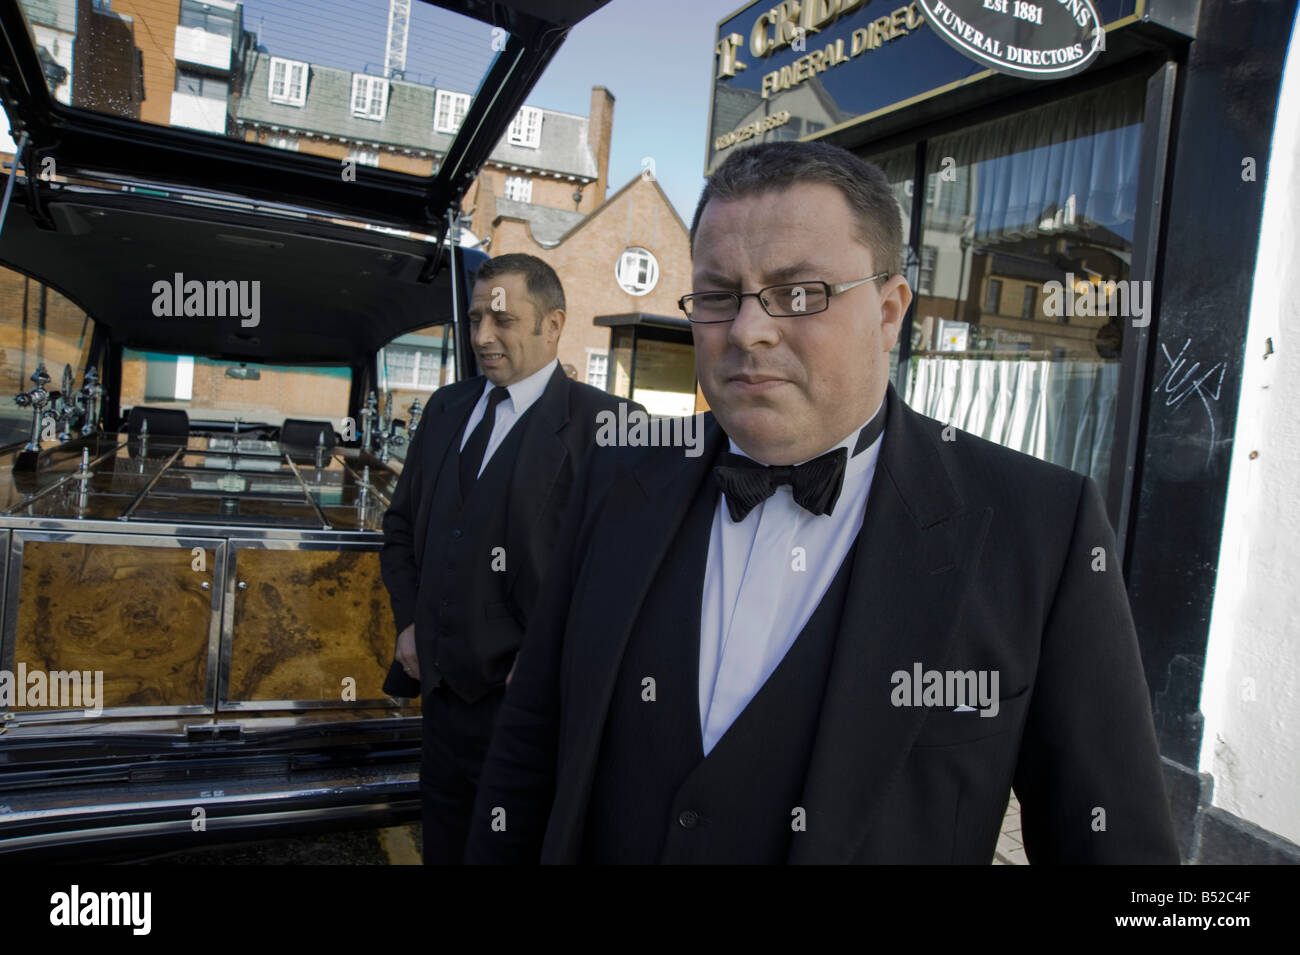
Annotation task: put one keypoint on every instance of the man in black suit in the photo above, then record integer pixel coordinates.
(844, 631)
(472, 522)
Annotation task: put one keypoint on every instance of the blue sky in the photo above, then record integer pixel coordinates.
(655, 57)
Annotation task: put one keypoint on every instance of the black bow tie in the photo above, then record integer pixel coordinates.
(815, 484)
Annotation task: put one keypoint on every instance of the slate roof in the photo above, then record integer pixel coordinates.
(547, 224)
(407, 123)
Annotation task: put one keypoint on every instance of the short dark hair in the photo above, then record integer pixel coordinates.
(764, 167)
(539, 278)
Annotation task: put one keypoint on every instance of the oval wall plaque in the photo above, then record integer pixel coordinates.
(1038, 39)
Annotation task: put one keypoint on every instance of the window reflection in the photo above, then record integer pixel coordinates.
(1023, 292)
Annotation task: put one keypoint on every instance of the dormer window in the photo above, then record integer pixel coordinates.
(369, 96)
(526, 129)
(449, 111)
(288, 82)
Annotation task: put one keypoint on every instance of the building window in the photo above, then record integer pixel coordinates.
(993, 296)
(925, 278)
(206, 17)
(369, 96)
(449, 111)
(637, 271)
(364, 157)
(288, 82)
(202, 85)
(519, 188)
(526, 129)
(1029, 307)
(597, 369)
(412, 367)
(283, 142)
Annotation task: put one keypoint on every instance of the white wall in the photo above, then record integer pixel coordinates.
(1251, 692)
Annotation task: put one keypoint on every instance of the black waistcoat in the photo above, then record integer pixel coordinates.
(655, 796)
(466, 635)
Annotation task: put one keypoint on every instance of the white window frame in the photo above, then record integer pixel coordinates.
(519, 188)
(594, 354)
(526, 128)
(632, 258)
(449, 111)
(427, 356)
(369, 96)
(288, 94)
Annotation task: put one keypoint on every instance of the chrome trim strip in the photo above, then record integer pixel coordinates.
(126, 515)
(389, 789)
(325, 524)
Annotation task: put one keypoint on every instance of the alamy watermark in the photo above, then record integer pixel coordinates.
(54, 689)
(957, 690)
(1127, 298)
(636, 429)
(178, 297)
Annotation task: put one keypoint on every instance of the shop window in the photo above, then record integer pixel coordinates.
(364, 157)
(1025, 202)
(283, 142)
(449, 111)
(519, 188)
(369, 96)
(288, 82)
(637, 271)
(899, 167)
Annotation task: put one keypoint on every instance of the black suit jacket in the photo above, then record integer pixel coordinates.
(971, 556)
(561, 430)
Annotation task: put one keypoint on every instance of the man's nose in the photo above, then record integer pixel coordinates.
(484, 332)
(752, 325)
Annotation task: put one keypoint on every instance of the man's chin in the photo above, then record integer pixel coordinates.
(761, 430)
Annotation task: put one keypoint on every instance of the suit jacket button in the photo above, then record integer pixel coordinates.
(455, 532)
(689, 819)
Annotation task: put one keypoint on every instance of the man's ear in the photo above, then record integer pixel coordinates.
(553, 324)
(895, 297)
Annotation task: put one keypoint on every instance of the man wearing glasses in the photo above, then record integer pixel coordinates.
(844, 631)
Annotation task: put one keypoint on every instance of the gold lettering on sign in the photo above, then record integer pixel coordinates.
(760, 44)
(875, 34)
(726, 49)
(749, 130)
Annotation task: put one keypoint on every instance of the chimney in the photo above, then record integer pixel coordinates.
(600, 129)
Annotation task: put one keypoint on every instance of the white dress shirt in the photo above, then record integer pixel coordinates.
(764, 578)
(523, 394)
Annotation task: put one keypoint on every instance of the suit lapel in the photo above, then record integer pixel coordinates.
(544, 453)
(642, 515)
(913, 561)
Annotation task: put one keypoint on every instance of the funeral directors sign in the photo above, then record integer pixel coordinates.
(799, 69)
(1038, 39)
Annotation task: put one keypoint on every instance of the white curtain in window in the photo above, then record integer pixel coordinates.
(1059, 411)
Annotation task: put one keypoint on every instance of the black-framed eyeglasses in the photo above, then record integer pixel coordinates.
(779, 301)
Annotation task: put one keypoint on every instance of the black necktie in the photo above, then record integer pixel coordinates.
(471, 456)
(815, 484)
